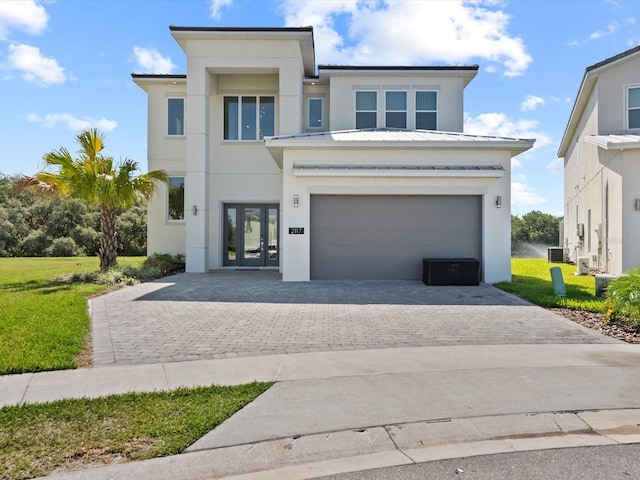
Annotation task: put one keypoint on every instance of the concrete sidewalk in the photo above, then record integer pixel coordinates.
(336, 412)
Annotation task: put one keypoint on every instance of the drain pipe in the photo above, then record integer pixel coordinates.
(559, 289)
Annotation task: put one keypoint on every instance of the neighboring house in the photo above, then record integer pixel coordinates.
(350, 172)
(601, 151)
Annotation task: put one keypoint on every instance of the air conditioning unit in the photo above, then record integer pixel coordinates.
(583, 265)
(557, 255)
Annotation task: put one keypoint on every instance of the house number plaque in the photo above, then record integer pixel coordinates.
(296, 230)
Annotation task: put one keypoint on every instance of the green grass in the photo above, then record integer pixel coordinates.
(531, 280)
(36, 440)
(42, 323)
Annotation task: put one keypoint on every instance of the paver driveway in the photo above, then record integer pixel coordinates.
(240, 313)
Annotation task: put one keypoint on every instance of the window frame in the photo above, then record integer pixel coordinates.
(387, 111)
(309, 100)
(628, 108)
(417, 110)
(239, 112)
(168, 217)
(365, 111)
(168, 124)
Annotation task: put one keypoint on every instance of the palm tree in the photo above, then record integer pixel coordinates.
(97, 180)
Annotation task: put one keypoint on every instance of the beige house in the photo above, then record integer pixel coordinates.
(329, 172)
(601, 151)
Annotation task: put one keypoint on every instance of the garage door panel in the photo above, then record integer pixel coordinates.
(386, 237)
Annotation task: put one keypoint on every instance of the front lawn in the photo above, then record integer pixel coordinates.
(531, 280)
(36, 440)
(43, 323)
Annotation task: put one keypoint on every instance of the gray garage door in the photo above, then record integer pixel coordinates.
(386, 237)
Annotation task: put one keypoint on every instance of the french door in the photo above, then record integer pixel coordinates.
(251, 235)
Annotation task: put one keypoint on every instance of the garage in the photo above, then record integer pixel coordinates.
(387, 236)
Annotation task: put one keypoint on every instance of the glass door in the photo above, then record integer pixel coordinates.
(251, 235)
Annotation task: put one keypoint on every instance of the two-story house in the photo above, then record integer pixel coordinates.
(344, 172)
(601, 151)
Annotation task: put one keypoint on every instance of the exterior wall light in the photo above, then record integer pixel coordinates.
(296, 201)
(195, 209)
(499, 201)
(637, 204)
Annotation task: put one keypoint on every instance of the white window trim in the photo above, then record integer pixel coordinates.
(406, 108)
(257, 96)
(168, 219)
(321, 126)
(184, 116)
(626, 106)
(355, 105)
(415, 106)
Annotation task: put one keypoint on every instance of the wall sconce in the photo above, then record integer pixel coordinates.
(296, 201)
(195, 209)
(499, 201)
(637, 204)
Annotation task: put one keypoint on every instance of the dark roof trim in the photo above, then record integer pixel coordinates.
(396, 67)
(166, 76)
(174, 28)
(613, 59)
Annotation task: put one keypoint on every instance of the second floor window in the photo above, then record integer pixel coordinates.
(175, 199)
(396, 109)
(249, 117)
(175, 125)
(315, 113)
(633, 103)
(426, 108)
(366, 110)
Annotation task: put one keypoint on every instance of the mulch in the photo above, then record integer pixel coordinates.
(597, 322)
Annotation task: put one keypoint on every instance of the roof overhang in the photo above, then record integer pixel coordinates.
(144, 80)
(467, 73)
(398, 170)
(615, 141)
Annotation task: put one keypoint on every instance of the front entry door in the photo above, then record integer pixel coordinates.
(251, 235)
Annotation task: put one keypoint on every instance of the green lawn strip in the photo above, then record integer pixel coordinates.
(531, 280)
(38, 439)
(43, 323)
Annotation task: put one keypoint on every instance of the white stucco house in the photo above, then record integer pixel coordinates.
(321, 172)
(601, 152)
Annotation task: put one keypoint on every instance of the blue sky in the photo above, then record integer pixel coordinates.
(65, 65)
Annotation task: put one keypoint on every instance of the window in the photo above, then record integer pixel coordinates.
(175, 123)
(249, 118)
(396, 109)
(366, 110)
(315, 113)
(426, 106)
(175, 200)
(633, 103)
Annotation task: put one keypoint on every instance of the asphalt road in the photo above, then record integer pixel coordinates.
(586, 463)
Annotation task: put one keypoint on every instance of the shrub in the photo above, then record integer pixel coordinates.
(623, 299)
(63, 247)
(166, 262)
(34, 244)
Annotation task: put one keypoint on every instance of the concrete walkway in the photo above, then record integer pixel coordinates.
(368, 374)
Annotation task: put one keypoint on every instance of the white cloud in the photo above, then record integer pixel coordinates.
(498, 124)
(523, 194)
(50, 120)
(611, 29)
(150, 61)
(35, 68)
(531, 103)
(215, 9)
(23, 15)
(556, 165)
(410, 32)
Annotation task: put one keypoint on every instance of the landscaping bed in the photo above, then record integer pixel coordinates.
(596, 321)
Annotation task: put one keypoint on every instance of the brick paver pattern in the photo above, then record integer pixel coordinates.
(241, 313)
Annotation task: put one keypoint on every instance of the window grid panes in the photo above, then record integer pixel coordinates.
(366, 110)
(396, 109)
(175, 198)
(426, 110)
(634, 107)
(315, 113)
(175, 122)
(249, 117)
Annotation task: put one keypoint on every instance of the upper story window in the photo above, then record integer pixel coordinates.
(633, 106)
(249, 117)
(315, 113)
(175, 123)
(396, 109)
(426, 110)
(175, 199)
(366, 110)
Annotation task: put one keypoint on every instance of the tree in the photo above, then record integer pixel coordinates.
(534, 228)
(97, 180)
